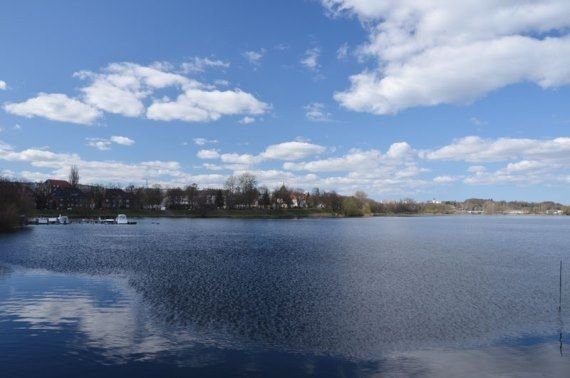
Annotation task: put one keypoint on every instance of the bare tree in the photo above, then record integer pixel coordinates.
(74, 175)
(247, 187)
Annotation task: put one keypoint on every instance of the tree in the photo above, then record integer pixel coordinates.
(282, 196)
(175, 198)
(74, 175)
(351, 207)
(231, 189)
(265, 198)
(153, 196)
(247, 188)
(219, 200)
(15, 202)
(136, 196)
(191, 194)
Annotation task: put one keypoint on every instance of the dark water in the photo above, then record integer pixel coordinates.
(435, 296)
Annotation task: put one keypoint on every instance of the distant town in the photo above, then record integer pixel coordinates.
(240, 196)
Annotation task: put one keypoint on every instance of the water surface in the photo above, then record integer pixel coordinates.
(328, 297)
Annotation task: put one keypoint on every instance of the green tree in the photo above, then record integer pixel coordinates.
(351, 207)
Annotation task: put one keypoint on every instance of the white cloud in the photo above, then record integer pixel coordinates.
(292, 150)
(254, 57)
(527, 161)
(444, 179)
(452, 52)
(197, 64)
(198, 105)
(287, 151)
(100, 144)
(311, 59)
(203, 141)
(124, 141)
(342, 51)
(246, 120)
(400, 150)
(476, 149)
(208, 154)
(107, 171)
(399, 160)
(105, 144)
(356, 160)
(55, 106)
(122, 88)
(317, 112)
(3, 85)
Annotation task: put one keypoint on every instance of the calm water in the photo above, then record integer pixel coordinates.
(433, 296)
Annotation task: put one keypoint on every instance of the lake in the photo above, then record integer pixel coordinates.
(418, 296)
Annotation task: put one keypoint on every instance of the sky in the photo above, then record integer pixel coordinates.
(401, 99)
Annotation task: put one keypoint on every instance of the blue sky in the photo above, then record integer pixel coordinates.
(397, 98)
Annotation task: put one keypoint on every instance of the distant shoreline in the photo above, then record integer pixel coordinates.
(259, 214)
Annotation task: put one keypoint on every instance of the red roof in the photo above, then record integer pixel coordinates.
(60, 183)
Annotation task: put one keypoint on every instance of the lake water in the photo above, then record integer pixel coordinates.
(422, 296)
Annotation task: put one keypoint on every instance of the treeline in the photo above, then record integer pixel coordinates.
(15, 203)
(239, 193)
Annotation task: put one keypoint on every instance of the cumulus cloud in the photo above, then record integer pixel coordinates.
(287, 151)
(123, 88)
(105, 144)
(204, 141)
(426, 51)
(124, 141)
(254, 57)
(292, 150)
(399, 160)
(197, 64)
(527, 161)
(208, 154)
(198, 105)
(316, 112)
(3, 85)
(120, 87)
(241, 159)
(311, 58)
(55, 106)
(476, 149)
(444, 179)
(106, 171)
(246, 120)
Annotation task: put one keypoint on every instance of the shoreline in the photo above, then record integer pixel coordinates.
(256, 214)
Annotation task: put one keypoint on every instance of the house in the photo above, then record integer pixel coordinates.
(53, 184)
(65, 198)
(116, 199)
(298, 200)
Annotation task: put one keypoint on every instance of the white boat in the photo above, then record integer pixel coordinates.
(121, 219)
(42, 220)
(62, 219)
